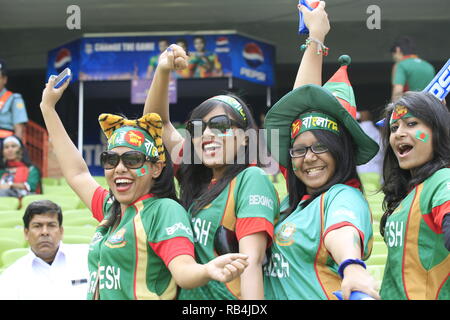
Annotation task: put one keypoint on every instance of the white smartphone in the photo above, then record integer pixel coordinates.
(62, 77)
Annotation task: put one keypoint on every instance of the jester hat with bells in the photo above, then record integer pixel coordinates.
(311, 107)
(143, 134)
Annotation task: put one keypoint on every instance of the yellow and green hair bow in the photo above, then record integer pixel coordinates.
(143, 134)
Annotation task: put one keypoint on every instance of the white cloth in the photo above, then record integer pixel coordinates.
(31, 278)
(376, 164)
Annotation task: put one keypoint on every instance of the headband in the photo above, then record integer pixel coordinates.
(313, 121)
(231, 102)
(400, 112)
(11, 139)
(143, 134)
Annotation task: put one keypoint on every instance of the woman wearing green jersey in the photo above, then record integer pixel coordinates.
(143, 246)
(416, 224)
(231, 201)
(325, 229)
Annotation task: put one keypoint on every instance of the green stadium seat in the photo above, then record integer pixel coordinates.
(74, 220)
(66, 202)
(87, 231)
(74, 239)
(379, 247)
(9, 203)
(59, 190)
(15, 234)
(377, 259)
(78, 212)
(10, 256)
(47, 181)
(8, 244)
(102, 181)
(11, 221)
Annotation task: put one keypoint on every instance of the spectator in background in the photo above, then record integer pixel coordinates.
(364, 118)
(410, 73)
(13, 114)
(18, 176)
(51, 270)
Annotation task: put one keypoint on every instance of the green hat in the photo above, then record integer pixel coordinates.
(335, 100)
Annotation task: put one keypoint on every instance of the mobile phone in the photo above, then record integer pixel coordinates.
(62, 77)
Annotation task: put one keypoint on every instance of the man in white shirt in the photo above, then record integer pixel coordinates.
(51, 270)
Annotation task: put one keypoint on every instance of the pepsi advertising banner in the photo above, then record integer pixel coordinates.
(136, 57)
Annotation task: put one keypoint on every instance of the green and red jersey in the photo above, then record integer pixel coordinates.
(252, 199)
(418, 264)
(130, 262)
(413, 73)
(300, 267)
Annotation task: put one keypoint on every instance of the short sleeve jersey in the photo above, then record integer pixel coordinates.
(300, 267)
(12, 111)
(418, 264)
(413, 73)
(131, 261)
(33, 179)
(256, 207)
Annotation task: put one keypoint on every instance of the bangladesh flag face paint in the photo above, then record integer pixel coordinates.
(422, 136)
(142, 171)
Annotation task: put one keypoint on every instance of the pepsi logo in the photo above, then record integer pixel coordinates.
(253, 55)
(222, 41)
(63, 59)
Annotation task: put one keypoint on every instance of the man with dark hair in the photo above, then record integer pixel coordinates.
(51, 270)
(410, 73)
(13, 114)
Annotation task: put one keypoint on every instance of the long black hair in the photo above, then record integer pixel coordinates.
(342, 150)
(397, 181)
(163, 187)
(194, 177)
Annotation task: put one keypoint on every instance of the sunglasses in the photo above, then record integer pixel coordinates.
(220, 123)
(130, 159)
(317, 148)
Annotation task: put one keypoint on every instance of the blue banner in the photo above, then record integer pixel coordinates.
(136, 57)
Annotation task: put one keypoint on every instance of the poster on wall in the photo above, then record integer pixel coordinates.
(100, 58)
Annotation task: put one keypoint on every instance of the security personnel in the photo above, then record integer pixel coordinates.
(13, 114)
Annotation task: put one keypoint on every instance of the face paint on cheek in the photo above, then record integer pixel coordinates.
(422, 136)
(142, 171)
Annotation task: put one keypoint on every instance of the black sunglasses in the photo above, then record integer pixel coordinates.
(130, 159)
(222, 123)
(317, 148)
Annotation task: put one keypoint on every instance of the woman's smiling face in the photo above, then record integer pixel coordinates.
(216, 149)
(314, 170)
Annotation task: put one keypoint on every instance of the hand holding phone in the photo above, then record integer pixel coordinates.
(62, 77)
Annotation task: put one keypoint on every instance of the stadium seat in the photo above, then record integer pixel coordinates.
(79, 220)
(14, 234)
(102, 181)
(377, 259)
(379, 247)
(74, 239)
(11, 221)
(47, 181)
(9, 203)
(64, 201)
(7, 244)
(10, 256)
(87, 231)
(59, 190)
